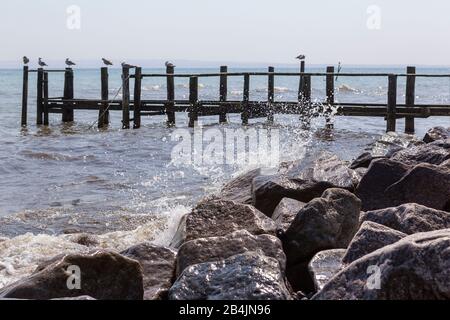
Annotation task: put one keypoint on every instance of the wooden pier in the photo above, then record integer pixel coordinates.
(248, 109)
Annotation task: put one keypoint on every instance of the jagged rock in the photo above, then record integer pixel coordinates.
(363, 161)
(381, 174)
(220, 248)
(215, 218)
(445, 164)
(392, 142)
(422, 154)
(105, 275)
(88, 240)
(324, 265)
(329, 222)
(445, 144)
(414, 268)
(370, 237)
(240, 188)
(285, 212)
(436, 133)
(158, 268)
(248, 276)
(409, 218)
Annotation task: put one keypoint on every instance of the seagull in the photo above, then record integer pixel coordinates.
(107, 62)
(169, 64)
(42, 63)
(69, 63)
(126, 65)
(25, 60)
(301, 57)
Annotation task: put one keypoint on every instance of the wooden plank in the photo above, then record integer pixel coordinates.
(270, 94)
(193, 100)
(223, 93)
(103, 114)
(245, 100)
(39, 89)
(410, 98)
(24, 96)
(125, 97)
(170, 70)
(330, 96)
(45, 99)
(137, 98)
(67, 115)
(300, 84)
(391, 103)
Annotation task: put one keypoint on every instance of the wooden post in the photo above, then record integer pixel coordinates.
(301, 83)
(125, 97)
(392, 103)
(330, 96)
(410, 98)
(193, 101)
(223, 93)
(45, 98)
(245, 100)
(137, 98)
(170, 96)
(103, 114)
(24, 96)
(40, 80)
(306, 102)
(67, 114)
(270, 94)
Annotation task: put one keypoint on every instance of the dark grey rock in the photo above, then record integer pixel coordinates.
(436, 133)
(324, 265)
(422, 154)
(445, 143)
(85, 239)
(363, 161)
(240, 189)
(285, 213)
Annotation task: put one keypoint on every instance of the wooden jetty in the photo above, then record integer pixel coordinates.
(248, 109)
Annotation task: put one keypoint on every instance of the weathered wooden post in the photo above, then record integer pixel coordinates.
(245, 100)
(270, 94)
(170, 70)
(24, 96)
(306, 102)
(45, 98)
(193, 101)
(40, 88)
(301, 82)
(67, 114)
(223, 93)
(137, 98)
(392, 103)
(330, 96)
(410, 97)
(125, 97)
(103, 114)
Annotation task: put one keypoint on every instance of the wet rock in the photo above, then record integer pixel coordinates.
(240, 188)
(422, 154)
(217, 218)
(329, 222)
(363, 161)
(248, 276)
(220, 248)
(105, 275)
(436, 133)
(285, 213)
(409, 218)
(88, 240)
(370, 237)
(445, 144)
(445, 164)
(324, 265)
(158, 268)
(414, 268)
(361, 172)
(392, 142)
(381, 174)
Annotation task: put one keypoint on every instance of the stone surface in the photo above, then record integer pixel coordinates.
(220, 248)
(239, 189)
(436, 133)
(85, 239)
(414, 268)
(392, 142)
(329, 222)
(422, 154)
(409, 218)
(324, 265)
(363, 161)
(216, 218)
(370, 237)
(158, 268)
(285, 213)
(76, 298)
(248, 276)
(105, 275)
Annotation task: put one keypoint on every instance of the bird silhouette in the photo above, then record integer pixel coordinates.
(107, 62)
(126, 65)
(169, 64)
(25, 60)
(70, 63)
(301, 57)
(41, 63)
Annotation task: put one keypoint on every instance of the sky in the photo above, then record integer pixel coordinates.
(375, 32)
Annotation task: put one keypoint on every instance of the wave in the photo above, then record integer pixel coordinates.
(347, 88)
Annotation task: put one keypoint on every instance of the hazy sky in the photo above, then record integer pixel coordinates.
(327, 31)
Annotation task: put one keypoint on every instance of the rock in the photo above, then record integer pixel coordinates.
(215, 218)
(248, 276)
(381, 174)
(409, 218)
(158, 268)
(299, 277)
(88, 240)
(240, 189)
(324, 265)
(445, 143)
(436, 133)
(392, 142)
(220, 248)
(285, 213)
(414, 268)
(329, 222)
(361, 172)
(370, 237)
(422, 154)
(445, 164)
(76, 298)
(363, 161)
(105, 275)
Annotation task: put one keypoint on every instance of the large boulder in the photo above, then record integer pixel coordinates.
(409, 218)
(239, 189)
(370, 237)
(329, 222)
(392, 142)
(324, 265)
(364, 160)
(104, 275)
(158, 268)
(382, 173)
(247, 276)
(285, 213)
(436, 133)
(220, 248)
(427, 153)
(414, 268)
(215, 218)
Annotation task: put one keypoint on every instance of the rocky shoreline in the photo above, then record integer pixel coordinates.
(375, 228)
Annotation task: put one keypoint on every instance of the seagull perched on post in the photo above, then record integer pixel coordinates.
(169, 64)
(70, 63)
(301, 57)
(42, 63)
(107, 62)
(126, 65)
(25, 60)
